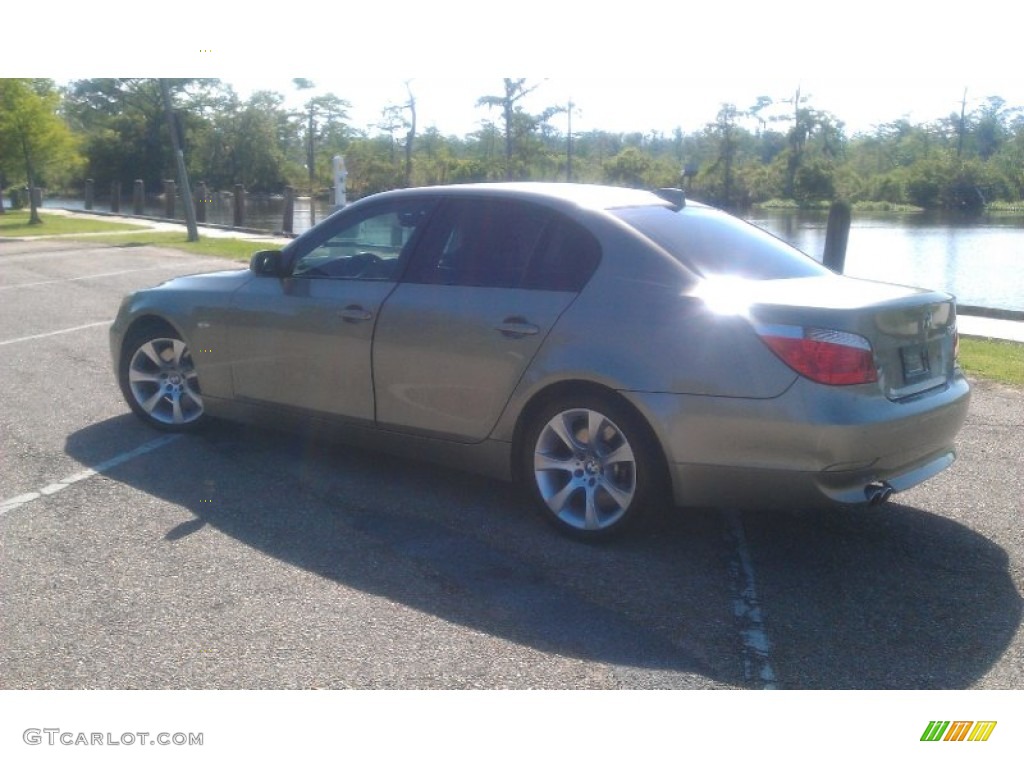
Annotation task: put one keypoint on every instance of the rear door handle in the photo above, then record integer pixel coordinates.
(354, 314)
(516, 327)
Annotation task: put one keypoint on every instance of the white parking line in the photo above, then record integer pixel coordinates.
(48, 490)
(757, 663)
(9, 257)
(87, 277)
(54, 333)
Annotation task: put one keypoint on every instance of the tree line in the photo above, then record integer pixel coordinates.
(780, 150)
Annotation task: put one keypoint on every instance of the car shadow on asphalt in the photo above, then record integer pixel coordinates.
(892, 597)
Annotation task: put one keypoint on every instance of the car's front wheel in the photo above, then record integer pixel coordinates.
(159, 380)
(589, 465)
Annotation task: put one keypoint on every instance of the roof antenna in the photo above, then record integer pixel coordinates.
(673, 195)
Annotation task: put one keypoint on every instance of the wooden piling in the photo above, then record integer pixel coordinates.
(170, 190)
(90, 194)
(289, 210)
(202, 198)
(837, 236)
(239, 205)
(139, 197)
(115, 197)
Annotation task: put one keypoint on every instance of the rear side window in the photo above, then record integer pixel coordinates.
(565, 259)
(481, 242)
(496, 243)
(712, 242)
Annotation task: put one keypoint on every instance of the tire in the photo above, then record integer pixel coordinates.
(589, 465)
(159, 380)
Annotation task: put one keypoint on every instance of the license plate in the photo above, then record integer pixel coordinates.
(915, 362)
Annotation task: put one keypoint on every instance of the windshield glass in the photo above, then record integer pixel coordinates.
(713, 243)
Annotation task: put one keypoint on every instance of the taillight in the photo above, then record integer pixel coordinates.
(824, 356)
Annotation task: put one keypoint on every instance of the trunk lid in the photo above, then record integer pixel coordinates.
(912, 331)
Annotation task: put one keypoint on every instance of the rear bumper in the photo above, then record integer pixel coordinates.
(813, 444)
(697, 485)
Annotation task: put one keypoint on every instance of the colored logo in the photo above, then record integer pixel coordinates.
(959, 730)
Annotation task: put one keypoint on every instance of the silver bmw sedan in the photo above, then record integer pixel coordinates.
(609, 349)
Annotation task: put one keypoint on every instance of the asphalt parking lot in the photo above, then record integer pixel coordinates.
(242, 558)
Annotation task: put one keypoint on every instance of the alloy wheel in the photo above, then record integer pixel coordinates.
(585, 470)
(163, 383)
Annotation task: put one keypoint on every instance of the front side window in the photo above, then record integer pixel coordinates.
(370, 247)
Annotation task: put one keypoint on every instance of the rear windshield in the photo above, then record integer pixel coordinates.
(711, 242)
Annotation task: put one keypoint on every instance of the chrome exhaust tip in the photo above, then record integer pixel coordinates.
(877, 492)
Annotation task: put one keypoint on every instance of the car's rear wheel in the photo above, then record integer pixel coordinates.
(589, 465)
(159, 380)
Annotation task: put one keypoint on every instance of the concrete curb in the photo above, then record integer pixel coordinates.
(156, 220)
(996, 314)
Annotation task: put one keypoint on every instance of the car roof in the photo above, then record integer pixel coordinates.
(589, 196)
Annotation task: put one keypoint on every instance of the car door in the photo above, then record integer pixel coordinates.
(477, 302)
(305, 340)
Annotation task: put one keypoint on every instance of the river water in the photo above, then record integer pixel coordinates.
(981, 261)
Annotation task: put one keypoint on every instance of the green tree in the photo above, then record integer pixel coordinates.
(1010, 160)
(630, 168)
(989, 127)
(246, 144)
(717, 178)
(515, 91)
(125, 129)
(372, 166)
(396, 118)
(522, 146)
(324, 130)
(33, 138)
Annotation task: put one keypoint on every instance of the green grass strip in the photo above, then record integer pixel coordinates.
(993, 359)
(220, 247)
(15, 224)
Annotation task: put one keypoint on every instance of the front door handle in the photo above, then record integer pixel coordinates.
(354, 314)
(517, 327)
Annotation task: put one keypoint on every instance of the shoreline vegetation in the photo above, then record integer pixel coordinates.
(775, 204)
(781, 151)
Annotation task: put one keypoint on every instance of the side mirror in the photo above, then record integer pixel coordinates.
(267, 263)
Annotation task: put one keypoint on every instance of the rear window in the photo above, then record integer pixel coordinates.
(713, 243)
